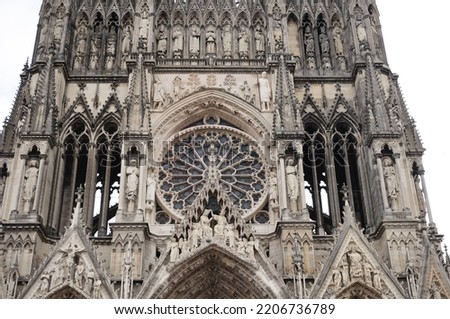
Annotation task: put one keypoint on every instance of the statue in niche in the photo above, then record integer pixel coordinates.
(419, 192)
(278, 35)
(376, 35)
(273, 189)
(144, 24)
(194, 44)
(376, 279)
(110, 51)
(210, 41)
(80, 46)
(177, 37)
(30, 184)
(390, 179)
(337, 36)
(131, 189)
(95, 47)
(159, 96)
(126, 40)
(323, 40)
(292, 183)
(243, 42)
(227, 39)
(161, 40)
(43, 36)
(337, 278)
(265, 92)
(58, 29)
(151, 191)
(309, 41)
(260, 41)
(361, 28)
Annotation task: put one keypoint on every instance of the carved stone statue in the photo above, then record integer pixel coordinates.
(30, 184)
(265, 92)
(419, 192)
(278, 35)
(210, 41)
(131, 189)
(355, 263)
(195, 235)
(323, 40)
(151, 188)
(174, 250)
(219, 228)
(246, 91)
(273, 190)
(177, 88)
(58, 28)
(390, 179)
(337, 36)
(260, 41)
(79, 276)
(110, 51)
(243, 42)
(95, 47)
(205, 224)
(159, 96)
(81, 39)
(144, 24)
(126, 40)
(177, 37)
(227, 39)
(230, 235)
(45, 283)
(161, 40)
(292, 184)
(194, 44)
(309, 41)
(361, 28)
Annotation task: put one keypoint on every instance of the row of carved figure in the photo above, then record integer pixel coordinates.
(163, 97)
(69, 271)
(203, 232)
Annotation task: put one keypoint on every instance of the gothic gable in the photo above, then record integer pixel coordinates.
(71, 269)
(354, 269)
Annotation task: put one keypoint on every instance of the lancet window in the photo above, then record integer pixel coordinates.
(328, 168)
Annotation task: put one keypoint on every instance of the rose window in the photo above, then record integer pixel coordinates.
(213, 160)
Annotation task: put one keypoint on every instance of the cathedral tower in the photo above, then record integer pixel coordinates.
(214, 149)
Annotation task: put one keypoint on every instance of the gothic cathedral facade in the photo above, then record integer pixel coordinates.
(214, 149)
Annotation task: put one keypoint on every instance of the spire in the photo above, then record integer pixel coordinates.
(287, 121)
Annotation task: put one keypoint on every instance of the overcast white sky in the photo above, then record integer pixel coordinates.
(417, 44)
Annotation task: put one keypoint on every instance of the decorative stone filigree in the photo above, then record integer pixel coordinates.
(221, 158)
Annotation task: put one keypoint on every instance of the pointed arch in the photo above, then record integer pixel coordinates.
(216, 272)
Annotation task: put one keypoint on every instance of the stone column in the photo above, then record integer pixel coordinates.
(90, 185)
(425, 194)
(123, 180)
(102, 230)
(142, 183)
(56, 209)
(282, 183)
